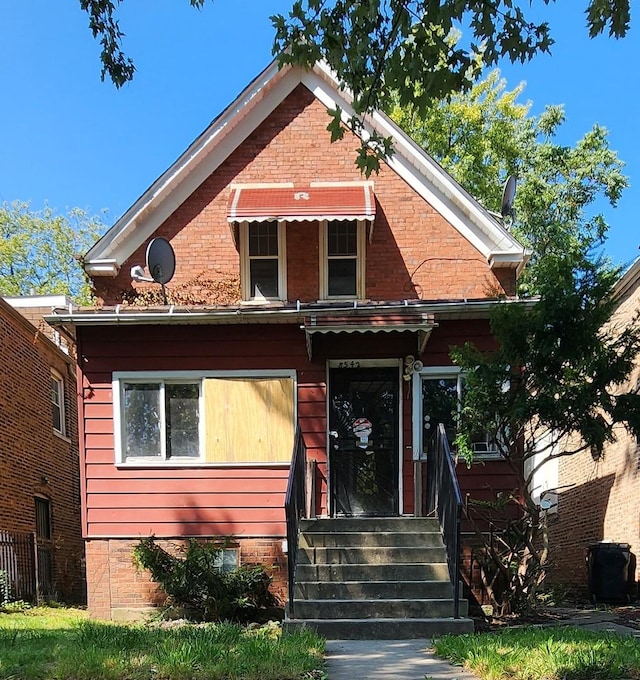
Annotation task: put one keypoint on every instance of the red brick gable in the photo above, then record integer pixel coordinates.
(415, 253)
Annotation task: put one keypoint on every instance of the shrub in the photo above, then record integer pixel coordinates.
(195, 581)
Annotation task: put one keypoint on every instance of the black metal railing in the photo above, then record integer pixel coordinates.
(295, 507)
(26, 567)
(444, 497)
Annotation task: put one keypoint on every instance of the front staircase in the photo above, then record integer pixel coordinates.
(374, 578)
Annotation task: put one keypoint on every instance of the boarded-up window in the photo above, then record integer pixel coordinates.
(249, 420)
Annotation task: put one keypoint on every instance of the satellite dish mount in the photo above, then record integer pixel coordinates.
(161, 263)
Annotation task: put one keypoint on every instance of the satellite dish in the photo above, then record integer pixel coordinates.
(508, 194)
(161, 262)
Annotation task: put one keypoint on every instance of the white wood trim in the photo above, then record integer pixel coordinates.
(360, 258)
(61, 389)
(194, 375)
(119, 377)
(245, 276)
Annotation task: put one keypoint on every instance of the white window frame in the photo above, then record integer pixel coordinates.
(434, 373)
(119, 378)
(245, 263)
(360, 257)
(58, 381)
(162, 380)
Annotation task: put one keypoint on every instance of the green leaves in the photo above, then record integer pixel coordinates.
(614, 14)
(561, 359)
(412, 51)
(485, 134)
(192, 578)
(40, 251)
(104, 26)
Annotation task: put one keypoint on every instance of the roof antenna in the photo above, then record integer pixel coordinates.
(161, 263)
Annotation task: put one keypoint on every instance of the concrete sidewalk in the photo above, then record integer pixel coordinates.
(413, 660)
(387, 659)
(594, 619)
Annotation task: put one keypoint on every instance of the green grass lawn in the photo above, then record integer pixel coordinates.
(65, 644)
(544, 654)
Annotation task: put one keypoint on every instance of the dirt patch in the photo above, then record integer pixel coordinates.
(627, 615)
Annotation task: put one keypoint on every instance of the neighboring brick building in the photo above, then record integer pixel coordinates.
(304, 297)
(39, 471)
(599, 500)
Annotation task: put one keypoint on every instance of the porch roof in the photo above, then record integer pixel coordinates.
(401, 321)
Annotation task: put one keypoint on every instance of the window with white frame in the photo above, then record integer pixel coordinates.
(441, 395)
(57, 403)
(160, 419)
(190, 418)
(342, 263)
(263, 257)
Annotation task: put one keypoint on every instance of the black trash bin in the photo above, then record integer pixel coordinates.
(611, 578)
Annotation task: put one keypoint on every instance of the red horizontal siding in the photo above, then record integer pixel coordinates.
(143, 484)
(177, 501)
(206, 500)
(243, 518)
(171, 500)
(175, 530)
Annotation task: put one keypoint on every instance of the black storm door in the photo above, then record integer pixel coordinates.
(364, 441)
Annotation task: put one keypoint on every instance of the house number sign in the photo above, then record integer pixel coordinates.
(349, 364)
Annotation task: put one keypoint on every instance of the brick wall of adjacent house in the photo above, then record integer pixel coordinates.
(599, 500)
(34, 460)
(118, 589)
(414, 253)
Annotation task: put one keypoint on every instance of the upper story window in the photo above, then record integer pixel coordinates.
(342, 265)
(57, 403)
(263, 260)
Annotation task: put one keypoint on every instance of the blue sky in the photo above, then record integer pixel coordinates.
(68, 139)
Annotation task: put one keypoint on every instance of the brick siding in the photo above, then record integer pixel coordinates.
(415, 252)
(118, 589)
(35, 461)
(598, 500)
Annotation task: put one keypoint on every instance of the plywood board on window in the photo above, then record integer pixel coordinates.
(249, 420)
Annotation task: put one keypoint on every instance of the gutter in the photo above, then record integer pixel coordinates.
(454, 309)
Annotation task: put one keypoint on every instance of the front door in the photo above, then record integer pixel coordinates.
(364, 440)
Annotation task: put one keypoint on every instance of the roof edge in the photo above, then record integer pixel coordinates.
(628, 279)
(294, 313)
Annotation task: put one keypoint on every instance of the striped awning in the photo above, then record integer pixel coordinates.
(314, 202)
(419, 324)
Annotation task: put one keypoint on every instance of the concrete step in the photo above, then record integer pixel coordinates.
(377, 609)
(370, 524)
(374, 578)
(371, 555)
(382, 629)
(336, 539)
(372, 572)
(373, 590)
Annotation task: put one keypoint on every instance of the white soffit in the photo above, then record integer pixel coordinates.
(242, 117)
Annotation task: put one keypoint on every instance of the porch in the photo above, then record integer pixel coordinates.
(377, 577)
